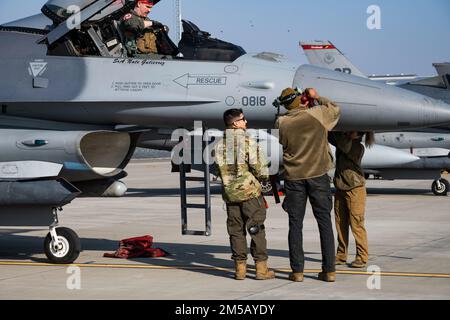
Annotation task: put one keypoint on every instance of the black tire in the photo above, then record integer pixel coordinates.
(445, 186)
(70, 250)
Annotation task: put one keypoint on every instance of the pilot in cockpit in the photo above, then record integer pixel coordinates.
(141, 33)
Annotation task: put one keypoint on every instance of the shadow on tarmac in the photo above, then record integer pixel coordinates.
(399, 191)
(183, 256)
(216, 190)
(169, 192)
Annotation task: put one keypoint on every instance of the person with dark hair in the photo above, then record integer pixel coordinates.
(140, 31)
(350, 197)
(241, 166)
(231, 115)
(303, 133)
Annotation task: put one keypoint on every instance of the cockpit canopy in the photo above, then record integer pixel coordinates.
(196, 44)
(60, 10)
(98, 32)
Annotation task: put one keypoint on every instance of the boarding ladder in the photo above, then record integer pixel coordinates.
(184, 169)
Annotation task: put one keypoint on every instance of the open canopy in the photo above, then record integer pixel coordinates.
(60, 10)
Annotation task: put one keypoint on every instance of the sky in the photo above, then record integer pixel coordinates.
(413, 35)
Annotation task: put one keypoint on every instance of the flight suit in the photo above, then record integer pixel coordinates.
(241, 165)
(140, 42)
(350, 198)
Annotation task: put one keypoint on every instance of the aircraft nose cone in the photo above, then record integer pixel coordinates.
(371, 105)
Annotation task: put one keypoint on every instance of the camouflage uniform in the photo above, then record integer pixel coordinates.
(241, 166)
(133, 27)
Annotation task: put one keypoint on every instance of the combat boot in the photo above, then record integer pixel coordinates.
(358, 264)
(327, 276)
(263, 272)
(241, 270)
(296, 276)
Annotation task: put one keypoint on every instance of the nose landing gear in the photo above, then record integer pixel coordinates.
(61, 245)
(440, 187)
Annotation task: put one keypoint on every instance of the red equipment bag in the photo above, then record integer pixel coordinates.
(140, 247)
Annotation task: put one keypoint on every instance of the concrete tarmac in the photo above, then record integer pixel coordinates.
(408, 230)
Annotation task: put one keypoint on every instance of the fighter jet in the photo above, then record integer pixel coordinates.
(431, 144)
(325, 54)
(70, 95)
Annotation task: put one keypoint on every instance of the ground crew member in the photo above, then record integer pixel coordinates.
(140, 31)
(242, 166)
(303, 133)
(350, 198)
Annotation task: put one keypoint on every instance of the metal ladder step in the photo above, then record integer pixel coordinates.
(198, 179)
(195, 206)
(206, 206)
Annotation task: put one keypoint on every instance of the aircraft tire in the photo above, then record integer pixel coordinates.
(69, 249)
(440, 191)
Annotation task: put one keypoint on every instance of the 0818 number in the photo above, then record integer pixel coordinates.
(254, 101)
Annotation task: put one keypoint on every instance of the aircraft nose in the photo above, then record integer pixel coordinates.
(367, 104)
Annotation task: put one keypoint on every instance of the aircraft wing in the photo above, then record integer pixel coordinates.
(441, 82)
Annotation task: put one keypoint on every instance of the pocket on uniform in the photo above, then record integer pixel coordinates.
(357, 201)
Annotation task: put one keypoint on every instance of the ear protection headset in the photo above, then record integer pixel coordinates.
(287, 100)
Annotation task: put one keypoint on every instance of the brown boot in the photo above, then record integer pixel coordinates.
(327, 276)
(296, 276)
(263, 272)
(358, 264)
(241, 270)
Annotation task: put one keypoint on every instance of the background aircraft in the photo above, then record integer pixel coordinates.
(71, 96)
(431, 144)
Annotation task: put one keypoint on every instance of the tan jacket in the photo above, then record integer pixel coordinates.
(349, 173)
(303, 134)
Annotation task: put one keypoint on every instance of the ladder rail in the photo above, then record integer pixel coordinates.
(184, 197)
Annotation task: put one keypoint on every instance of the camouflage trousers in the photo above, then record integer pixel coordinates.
(349, 207)
(242, 217)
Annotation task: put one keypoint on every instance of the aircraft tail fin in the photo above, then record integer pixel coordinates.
(324, 54)
(442, 68)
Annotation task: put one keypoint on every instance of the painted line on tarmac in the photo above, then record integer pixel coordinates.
(152, 267)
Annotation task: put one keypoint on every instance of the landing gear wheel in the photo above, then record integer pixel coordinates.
(440, 187)
(66, 250)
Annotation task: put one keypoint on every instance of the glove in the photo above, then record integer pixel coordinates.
(157, 25)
